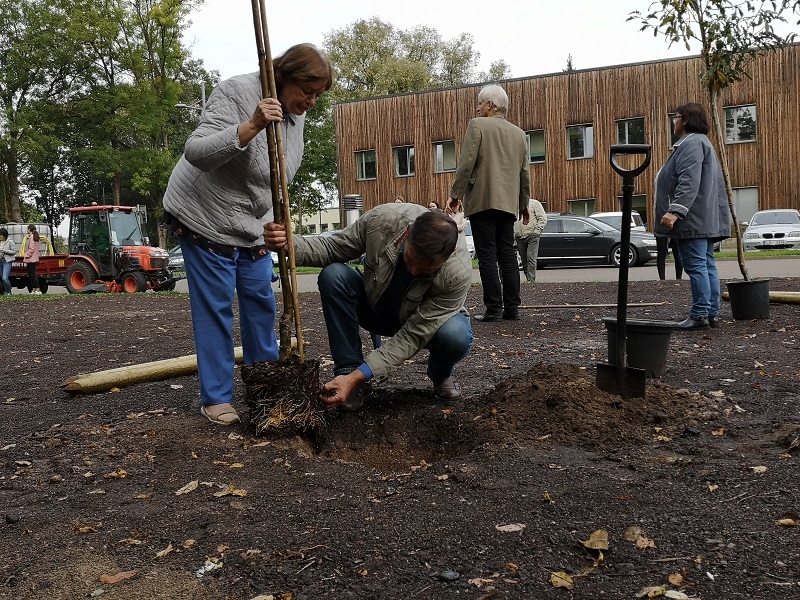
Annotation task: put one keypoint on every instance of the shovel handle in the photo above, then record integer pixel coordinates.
(630, 149)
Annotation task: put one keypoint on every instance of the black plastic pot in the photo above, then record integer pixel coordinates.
(749, 299)
(647, 344)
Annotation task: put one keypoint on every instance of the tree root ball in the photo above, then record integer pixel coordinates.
(282, 396)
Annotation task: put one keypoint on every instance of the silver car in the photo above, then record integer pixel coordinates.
(773, 229)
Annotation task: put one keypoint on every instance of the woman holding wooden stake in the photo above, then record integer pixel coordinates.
(217, 202)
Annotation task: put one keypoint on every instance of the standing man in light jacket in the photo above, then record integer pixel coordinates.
(528, 238)
(493, 178)
(413, 287)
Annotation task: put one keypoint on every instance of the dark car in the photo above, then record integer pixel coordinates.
(575, 240)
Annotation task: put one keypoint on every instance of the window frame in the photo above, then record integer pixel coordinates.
(586, 127)
(411, 162)
(361, 173)
(626, 122)
(436, 161)
(589, 206)
(755, 124)
(671, 124)
(530, 150)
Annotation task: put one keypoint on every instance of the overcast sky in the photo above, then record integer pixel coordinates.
(534, 37)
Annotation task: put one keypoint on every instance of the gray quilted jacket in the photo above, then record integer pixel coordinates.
(428, 302)
(220, 190)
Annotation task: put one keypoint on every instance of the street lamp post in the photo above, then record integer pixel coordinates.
(202, 108)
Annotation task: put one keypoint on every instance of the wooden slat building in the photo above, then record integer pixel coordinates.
(765, 168)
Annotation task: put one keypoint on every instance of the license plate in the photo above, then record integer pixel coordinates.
(773, 242)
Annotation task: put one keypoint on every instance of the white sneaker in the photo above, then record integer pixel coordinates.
(37, 292)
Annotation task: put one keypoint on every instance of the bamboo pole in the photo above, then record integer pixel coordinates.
(280, 192)
(777, 297)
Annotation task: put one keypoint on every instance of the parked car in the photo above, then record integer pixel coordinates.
(773, 229)
(468, 237)
(574, 240)
(615, 219)
(175, 259)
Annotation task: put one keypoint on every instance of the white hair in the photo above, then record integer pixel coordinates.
(496, 95)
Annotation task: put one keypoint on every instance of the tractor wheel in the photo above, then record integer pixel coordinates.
(133, 282)
(79, 275)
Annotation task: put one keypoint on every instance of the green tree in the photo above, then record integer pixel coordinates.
(731, 33)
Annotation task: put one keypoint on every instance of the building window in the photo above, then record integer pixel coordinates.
(673, 139)
(323, 227)
(740, 124)
(580, 141)
(337, 226)
(536, 145)
(583, 207)
(444, 157)
(404, 161)
(630, 131)
(366, 167)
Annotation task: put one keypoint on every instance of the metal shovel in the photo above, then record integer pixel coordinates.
(619, 378)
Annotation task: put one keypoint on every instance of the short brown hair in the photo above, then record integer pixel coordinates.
(302, 63)
(433, 235)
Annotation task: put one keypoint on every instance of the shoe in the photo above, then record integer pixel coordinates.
(36, 292)
(693, 323)
(355, 399)
(488, 318)
(447, 390)
(220, 414)
(713, 320)
(511, 316)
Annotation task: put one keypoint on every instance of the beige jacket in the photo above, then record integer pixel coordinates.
(493, 167)
(537, 222)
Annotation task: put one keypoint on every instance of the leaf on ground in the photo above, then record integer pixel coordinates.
(189, 544)
(176, 386)
(652, 592)
(547, 498)
(788, 520)
(712, 487)
(89, 527)
(676, 595)
(561, 580)
(237, 466)
(718, 432)
(189, 487)
(636, 535)
(511, 528)
(645, 542)
(759, 469)
(677, 578)
(131, 542)
(118, 474)
(117, 577)
(597, 541)
(481, 581)
(230, 490)
(165, 551)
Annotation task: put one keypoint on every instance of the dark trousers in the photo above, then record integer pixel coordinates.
(33, 278)
(661, 257)
(493, 233)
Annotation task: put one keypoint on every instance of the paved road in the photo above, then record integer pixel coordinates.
(788, 266)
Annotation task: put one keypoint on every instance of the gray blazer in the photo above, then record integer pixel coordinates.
(493, 167)
(690, 184)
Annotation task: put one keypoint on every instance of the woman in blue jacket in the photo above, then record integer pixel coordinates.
(691, 206)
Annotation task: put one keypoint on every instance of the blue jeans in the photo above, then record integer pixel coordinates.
(212, 281)
(5, 267)
(345, 308)
(697, 258)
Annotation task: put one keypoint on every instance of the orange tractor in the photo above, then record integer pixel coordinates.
(111, 252)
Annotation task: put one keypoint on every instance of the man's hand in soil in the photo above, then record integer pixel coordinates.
(336, 391)
(274, 236)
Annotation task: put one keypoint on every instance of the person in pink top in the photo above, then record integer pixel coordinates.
(31, 259)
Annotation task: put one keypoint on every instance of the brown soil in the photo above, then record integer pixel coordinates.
(413, 497)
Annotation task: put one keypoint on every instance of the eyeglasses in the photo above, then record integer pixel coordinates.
(676, 118)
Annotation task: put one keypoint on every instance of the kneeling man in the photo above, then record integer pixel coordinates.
(413, 289)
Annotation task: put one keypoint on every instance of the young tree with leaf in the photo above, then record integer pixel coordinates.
(731, 34)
